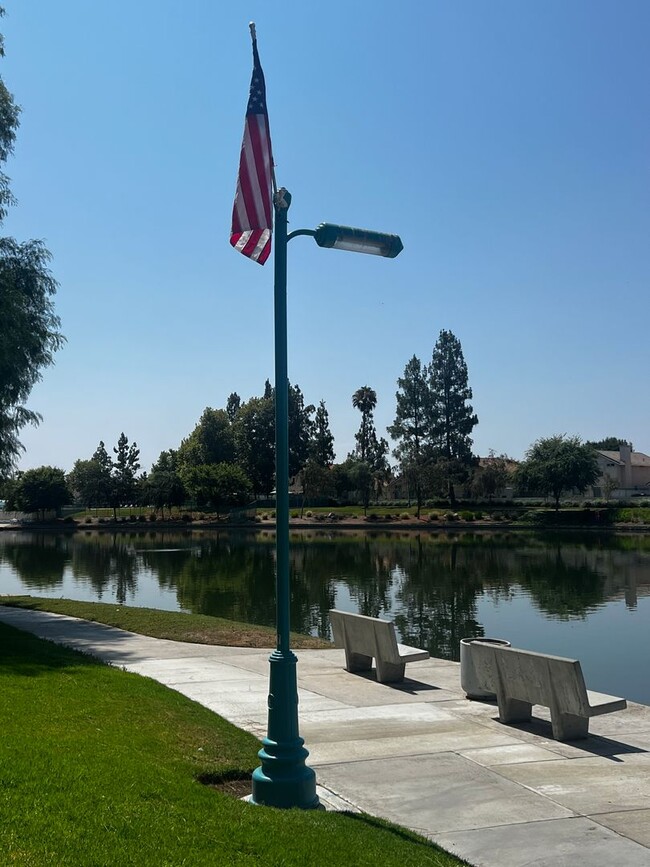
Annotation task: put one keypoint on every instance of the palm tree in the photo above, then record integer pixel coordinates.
(365, 400)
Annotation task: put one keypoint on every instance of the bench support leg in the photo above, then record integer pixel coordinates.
(567, 727)
(512, 710)
(389, 672)
(357, 661)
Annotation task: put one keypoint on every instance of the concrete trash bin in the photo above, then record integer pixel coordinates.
(468, 678)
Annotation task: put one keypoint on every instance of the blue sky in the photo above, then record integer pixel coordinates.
(506, 142)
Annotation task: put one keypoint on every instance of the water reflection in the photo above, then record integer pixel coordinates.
(40, 563)
(430, 584)
(108, 563)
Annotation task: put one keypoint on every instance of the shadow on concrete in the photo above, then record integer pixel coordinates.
(412, 687)
(596, 745)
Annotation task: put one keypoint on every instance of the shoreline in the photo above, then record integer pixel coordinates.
(351, 524)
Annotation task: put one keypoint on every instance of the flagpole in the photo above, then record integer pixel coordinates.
(251, 27)
(283, 779)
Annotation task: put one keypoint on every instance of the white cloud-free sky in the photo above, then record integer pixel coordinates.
(506, 142)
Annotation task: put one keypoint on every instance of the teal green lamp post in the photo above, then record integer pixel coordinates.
(283, 779)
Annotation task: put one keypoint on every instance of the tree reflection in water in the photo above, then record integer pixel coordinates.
(38, 560)
(429, 583)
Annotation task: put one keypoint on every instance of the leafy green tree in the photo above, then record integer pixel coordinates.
(168, 461)
(321, 447)
(40, 490)
(557, 464)
(125, 466)
(317, 481)
(218, 486)
(452, 417)
(211, 442)
(232, 405)
(361, 479)
(350, 479)
(105, 476)
(317, 478)
(342, 479)
(609, 484)
(609, 444)
(411, 426)
(254, 431)
(164, 486)
(255, 441)
(441, 476)
(29, 328)
(88, 484)
(232, 486)
(91, 481)
(9, 123)
(300, 429)
(492, 476)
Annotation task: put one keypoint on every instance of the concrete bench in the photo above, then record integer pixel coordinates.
(367, 638)
(522, 678)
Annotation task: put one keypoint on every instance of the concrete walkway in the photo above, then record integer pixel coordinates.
(420, 754)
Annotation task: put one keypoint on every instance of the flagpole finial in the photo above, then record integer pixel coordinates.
(251, 25)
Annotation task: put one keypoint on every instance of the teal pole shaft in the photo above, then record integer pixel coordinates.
(282, 434)
(283, 779)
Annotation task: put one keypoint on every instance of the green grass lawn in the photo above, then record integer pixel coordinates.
(195, 628)
(101, 767)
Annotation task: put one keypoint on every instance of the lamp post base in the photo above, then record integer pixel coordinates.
(283, 779)
(296, 790)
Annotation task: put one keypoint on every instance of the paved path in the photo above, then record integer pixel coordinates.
(419, 753)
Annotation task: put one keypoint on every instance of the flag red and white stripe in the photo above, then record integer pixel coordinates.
(252, 213)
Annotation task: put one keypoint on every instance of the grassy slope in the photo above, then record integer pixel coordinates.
(99, 767)
(195, 628)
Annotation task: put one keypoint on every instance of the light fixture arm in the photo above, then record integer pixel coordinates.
(296, 232)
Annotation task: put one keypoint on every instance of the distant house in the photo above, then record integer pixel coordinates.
(623, 474)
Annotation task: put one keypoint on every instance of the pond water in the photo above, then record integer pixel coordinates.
(582, 596)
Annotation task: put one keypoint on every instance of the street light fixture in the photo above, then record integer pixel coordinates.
(354, 240)
(358, 240)
(283, 779)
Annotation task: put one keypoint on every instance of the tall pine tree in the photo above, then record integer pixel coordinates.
(321, 448)
(411, 426)
(452, 417)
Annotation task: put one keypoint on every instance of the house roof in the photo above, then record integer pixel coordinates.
(510, 463)
(637, 459)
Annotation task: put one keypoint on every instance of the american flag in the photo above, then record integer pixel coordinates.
(252, 213)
